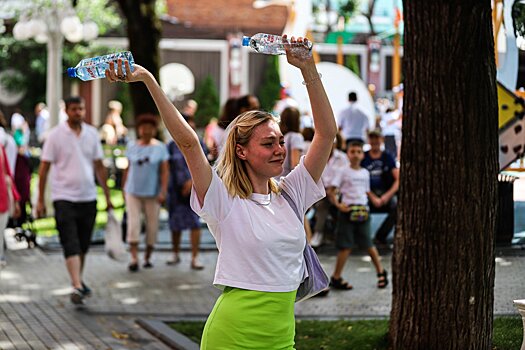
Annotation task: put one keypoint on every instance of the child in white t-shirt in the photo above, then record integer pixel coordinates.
(353, 224)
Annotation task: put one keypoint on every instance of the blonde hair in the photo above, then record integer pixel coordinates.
(230, 168)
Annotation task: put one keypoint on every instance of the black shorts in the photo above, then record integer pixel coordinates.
(348, 233)
(75, 222)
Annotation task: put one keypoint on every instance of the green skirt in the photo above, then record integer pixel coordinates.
(247, 319)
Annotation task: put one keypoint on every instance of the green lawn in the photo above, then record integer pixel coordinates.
(363, 335)
(46, 226)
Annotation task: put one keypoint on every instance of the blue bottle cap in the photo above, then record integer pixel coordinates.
(246, 41)
(71, 72)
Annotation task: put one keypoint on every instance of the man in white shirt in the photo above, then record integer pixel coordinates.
(353, 122)
(74, 149)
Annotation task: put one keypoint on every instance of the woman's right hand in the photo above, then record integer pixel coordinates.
(40, 209)
(139, 73)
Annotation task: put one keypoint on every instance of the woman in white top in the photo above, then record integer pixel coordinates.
(293, 139)
(258, 235)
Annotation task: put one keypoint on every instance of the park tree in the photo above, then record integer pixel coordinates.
(144, 32)
(443, 260)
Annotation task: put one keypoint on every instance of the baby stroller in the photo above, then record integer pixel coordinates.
(23, 225)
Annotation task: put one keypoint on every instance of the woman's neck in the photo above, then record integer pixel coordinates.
(145, 142)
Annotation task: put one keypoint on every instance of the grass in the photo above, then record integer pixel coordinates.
(46, 226)
(363, 334)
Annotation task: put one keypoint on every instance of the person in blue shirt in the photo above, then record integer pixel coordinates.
(145, 186)
(384, 183)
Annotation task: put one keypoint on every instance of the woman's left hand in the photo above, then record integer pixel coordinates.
(298, 51)
(161, 197)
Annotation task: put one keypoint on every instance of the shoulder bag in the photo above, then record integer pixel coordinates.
(316, 279)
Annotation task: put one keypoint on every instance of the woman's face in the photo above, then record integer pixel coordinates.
(147, 131)
(265, 152)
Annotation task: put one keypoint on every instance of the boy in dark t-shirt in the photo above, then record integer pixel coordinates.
(384, 183)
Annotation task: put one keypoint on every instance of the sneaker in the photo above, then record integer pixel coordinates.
(86, 290)
(77, 297)
(147, 265)
(316, 240)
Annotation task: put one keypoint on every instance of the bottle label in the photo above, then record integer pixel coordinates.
(91, 71)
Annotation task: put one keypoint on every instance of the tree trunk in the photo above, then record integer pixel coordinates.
(443, 283)
(144, 31)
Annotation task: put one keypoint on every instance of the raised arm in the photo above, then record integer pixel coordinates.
(183, 135)
(324, 121)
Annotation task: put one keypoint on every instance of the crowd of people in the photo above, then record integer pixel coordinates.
(232, 178)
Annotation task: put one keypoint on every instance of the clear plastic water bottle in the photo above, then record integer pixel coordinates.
(95, 67)
(268, 44)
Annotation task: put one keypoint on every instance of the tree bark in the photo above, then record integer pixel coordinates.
(443, 282)
(144, 32)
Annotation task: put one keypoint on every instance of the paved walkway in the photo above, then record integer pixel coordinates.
(35, 312)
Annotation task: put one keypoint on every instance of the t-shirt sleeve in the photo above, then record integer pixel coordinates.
(217, 202)
(99, 152)
(336, 179)
(390, 161)
(301, 187)
(164, 155)
(48, 151)
(367, 182)
(296, 141)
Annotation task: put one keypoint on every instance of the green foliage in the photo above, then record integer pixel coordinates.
(362, 334)
(270, 89)
(30, 58)
(347, 8)
(207, 97)
(102, 12)
(352, 63)
(124, 96)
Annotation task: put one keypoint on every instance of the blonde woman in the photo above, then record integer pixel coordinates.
(259, 237)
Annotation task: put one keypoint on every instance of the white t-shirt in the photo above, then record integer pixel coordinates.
(336, 163)
(219, 137)
(17, 121)
(353, 123)
(353, 185)
(292, 141)
(389, 124)
(71, 158)
(260, 246)
(11, 150)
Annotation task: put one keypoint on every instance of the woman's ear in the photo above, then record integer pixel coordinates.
(240, 152)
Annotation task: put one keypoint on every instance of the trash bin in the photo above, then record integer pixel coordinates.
(505, 216)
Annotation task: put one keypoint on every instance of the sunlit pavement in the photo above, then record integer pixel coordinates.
(35, 307)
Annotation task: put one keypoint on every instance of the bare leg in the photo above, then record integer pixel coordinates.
(74, 266)
(195, 242)
(147, 255)
(342, 256)
(382, 279)
(134, 250)
(175, 244)
(374, 254)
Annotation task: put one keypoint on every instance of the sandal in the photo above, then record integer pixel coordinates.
(382, 279)
(133, 267)
(196, 265)
(339, 283)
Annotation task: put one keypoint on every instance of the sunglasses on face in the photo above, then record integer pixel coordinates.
(143, 161)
